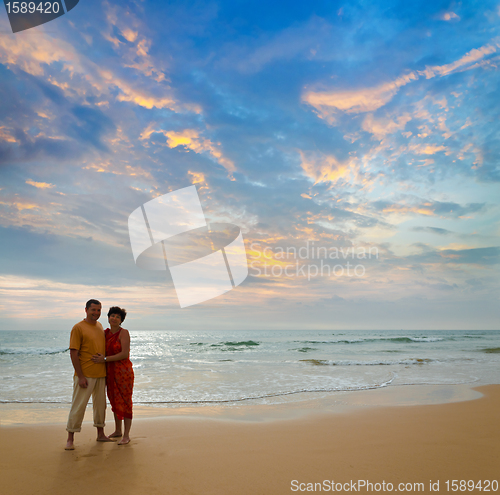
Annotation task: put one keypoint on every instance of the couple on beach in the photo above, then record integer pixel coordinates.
(101, 359)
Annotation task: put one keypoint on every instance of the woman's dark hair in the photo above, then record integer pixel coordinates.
(115, 310)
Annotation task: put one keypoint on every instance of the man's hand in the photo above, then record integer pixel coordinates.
(98, 358)
(83, 382)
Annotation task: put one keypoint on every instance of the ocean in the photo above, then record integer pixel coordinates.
(174, 368)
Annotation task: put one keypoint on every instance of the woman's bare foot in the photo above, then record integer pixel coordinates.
(104, 438)
(116, 434)
(124, 441)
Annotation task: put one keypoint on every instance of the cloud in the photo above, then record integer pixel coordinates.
(6, 135)
(190, 139)
(380, 127)
(34, 255)
(417, 206)
(328, 104)
(111, 166)
(40, 185)
(327, 168)
(27, 148)
(305, 40)
(426, 149)
(142, 97)
(37, 54)
(133, 47)
(463, 63)
(21, 205)
(90, 125)
(449, 16)
(32, 52)
(476, 256)
(130, 35)
(432, 230)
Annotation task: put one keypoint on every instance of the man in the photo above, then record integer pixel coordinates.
(87, 339)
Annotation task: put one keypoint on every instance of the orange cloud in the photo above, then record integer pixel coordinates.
(134, 53)
(143, 99)
(405, 210)
(20, 205)
(40, 185)
(130, 35)
(383, 126)
(329, 103)
(427, 149)
(326, 168)
(448, 16)
(197, 177)
(31, 51)
(469, 58)
(119, 168)
(5, 135)
(190, 139)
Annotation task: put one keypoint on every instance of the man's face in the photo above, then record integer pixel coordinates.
(93, 312)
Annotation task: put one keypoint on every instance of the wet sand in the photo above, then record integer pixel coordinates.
(262, 450)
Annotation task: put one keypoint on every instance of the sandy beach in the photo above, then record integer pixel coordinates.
(194, 454)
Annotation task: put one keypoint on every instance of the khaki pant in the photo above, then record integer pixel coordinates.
(97, 388)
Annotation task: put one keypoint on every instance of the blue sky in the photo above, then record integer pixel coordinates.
(343, 125)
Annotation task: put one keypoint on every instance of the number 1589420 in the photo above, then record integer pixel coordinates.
(32, 7)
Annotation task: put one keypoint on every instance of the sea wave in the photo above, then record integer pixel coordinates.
(33, 351)
(491, 350)
(326, 362)
(226, 346)
(221, 400)
(404, 340)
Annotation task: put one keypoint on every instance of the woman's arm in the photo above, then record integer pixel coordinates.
(124, 354)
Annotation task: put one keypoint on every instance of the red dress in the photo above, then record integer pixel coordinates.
(119, 377)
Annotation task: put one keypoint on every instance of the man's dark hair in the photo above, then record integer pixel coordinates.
(115, 310)
(90, 302)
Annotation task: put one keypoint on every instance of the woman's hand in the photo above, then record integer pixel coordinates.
(98, 358)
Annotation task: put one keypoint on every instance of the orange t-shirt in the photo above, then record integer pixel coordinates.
(89, 340)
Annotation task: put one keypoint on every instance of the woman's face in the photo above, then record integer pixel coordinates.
(114, 319)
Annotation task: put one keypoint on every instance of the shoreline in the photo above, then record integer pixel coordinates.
(214, 454)
(293, 406)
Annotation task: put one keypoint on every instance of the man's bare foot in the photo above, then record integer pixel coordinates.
(124, 441)
(69, 445)
(105, 439)
(115, 434)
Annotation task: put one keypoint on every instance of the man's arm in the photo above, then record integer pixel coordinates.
(82, 381)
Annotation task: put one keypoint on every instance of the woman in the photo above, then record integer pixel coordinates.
(119, 372)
